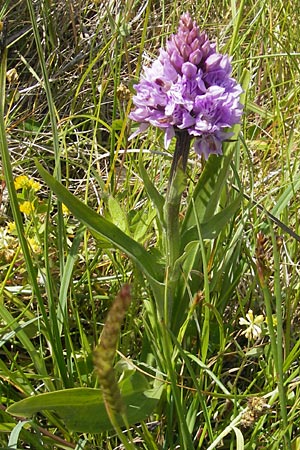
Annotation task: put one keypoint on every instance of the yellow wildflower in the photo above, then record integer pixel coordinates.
(35, 185)
(27, 208)
(21, 181)
(274, 320)
(65, 210)
(11, 227)
(35, 245)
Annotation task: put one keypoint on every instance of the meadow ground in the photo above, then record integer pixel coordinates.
(203, 329)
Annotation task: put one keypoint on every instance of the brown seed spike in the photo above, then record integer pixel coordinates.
(105, 351)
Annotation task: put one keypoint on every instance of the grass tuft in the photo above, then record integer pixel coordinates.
(228, 355)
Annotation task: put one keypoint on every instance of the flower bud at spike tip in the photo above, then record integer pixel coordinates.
(189, 87)
(105, 351)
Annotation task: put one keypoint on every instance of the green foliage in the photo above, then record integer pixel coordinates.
(83, 409)
(200, 378)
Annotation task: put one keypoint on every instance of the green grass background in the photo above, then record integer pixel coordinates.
(72, 66)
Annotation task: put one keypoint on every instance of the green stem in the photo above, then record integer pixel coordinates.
(185, 434)
(280, 342)
(128, 445)
(177, 184)
(183, 142)
(54, 129)
(276, 342)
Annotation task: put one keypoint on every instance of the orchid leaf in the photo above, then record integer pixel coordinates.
(117, 215)
(100, 226)
(83, 409)
(211, 228)
(207, 193)
(156, 198)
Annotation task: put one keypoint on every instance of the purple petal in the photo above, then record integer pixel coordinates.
(169, 134)
(189, 86)
(189, 70)
(208, 144)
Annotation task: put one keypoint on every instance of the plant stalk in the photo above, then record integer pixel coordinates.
(177, 184)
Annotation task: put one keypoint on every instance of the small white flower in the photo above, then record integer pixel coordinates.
(253, 324)
(5, 239)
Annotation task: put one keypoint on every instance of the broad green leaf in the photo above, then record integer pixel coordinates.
(83, 409)
(177, 186)
(141, 222)
(101, 226)
(187, 261)
(228, 275)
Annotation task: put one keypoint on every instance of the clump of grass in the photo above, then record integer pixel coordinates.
(53, 301)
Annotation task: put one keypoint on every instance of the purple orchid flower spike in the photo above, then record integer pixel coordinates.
(189, 87)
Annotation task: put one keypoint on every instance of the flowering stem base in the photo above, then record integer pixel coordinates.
(183, 142)
(177, 184)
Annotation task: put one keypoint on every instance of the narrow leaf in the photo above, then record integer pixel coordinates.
(212, 228)
(101, 226)
(239, 438)
(157, 199)
(207, 193)
(286, 196)
(66, 279)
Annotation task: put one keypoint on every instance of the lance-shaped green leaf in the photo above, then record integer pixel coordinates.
(208, 190)
(154, 195)
(212, 228)
(83, 409)
(98, 225)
